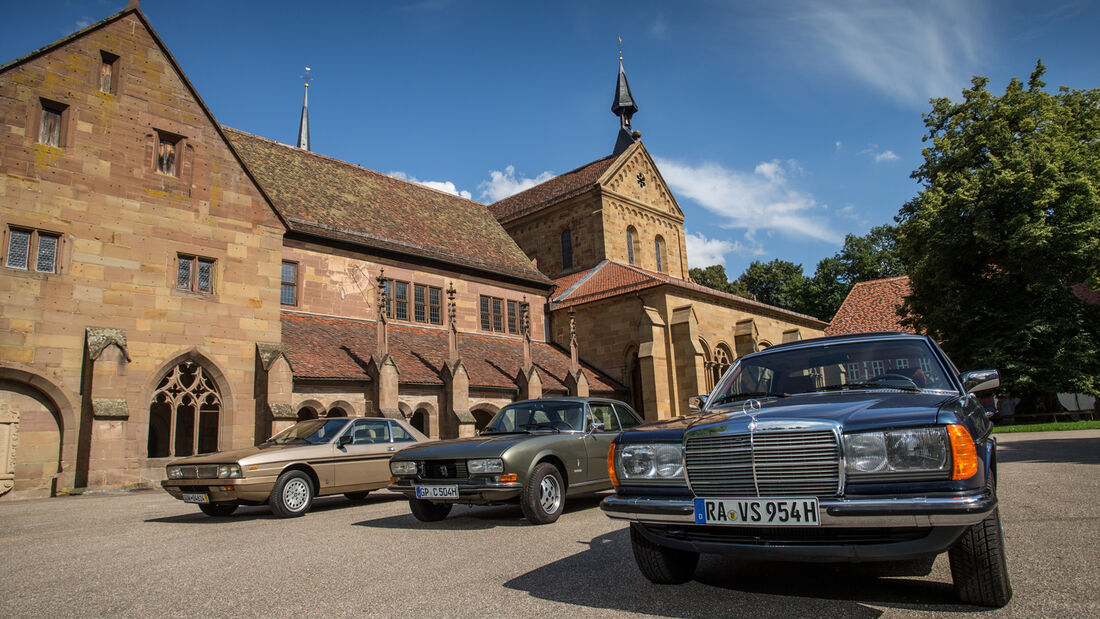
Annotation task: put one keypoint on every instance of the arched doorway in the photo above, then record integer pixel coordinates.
(419, 420)
(30, 438)
(483, 415)
(184, 413)
(336, 411)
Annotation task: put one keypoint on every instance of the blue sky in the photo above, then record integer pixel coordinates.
(780, 125)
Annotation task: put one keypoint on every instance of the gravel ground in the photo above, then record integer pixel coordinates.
(145, 554)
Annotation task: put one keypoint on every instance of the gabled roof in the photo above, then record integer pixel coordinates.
(333, 199)
(611, 279)
(132, 7)
(872, 306)
(572, 183)
(338, 348)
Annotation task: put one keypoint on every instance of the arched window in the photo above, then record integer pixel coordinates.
(722, 357)
(306, 412)
(419, 420)
(183, 416)
(659, 249)
(336, 411)
(631, 241)
(708, 364)
(566, 249)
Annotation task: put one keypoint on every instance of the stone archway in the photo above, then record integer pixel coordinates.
(483, 414)
(30, 438)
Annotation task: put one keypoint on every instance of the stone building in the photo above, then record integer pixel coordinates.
(611, 235)
(171, 286)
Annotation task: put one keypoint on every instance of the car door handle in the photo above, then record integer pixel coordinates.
(390, 449)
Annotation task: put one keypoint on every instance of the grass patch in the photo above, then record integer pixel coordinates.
(1048, 427)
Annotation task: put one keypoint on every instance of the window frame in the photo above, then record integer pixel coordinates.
(33, 257)
(493, 314)
(62, 111)
(110, 61)
(659, 250)
(293, 284)
(177, 142)
(394, 305)
(631, 240)
(195, 260)
(566, 249)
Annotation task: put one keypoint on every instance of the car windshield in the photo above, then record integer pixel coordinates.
(907, 365)
(313, 431)
(538, 415)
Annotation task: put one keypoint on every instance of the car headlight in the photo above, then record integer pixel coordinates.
(916, 450)
(175, 472)
(650, 461)
(485, 465)
(228, 471)
(407, 467)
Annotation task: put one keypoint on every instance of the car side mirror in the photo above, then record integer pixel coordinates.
(697, 403)
(597, 426)
(345, 439)
(981, 380)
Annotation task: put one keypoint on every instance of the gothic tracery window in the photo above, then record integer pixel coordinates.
(722, 358)
(183, 416)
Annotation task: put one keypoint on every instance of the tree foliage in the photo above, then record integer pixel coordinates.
(1007, 220)
(714, 277)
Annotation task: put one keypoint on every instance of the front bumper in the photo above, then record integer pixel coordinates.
(862, 512)
(236, 490)
(471, 491)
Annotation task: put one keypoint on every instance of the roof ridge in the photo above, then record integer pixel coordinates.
(881, 279)
(72, 36)
(353, 166)
(576, 169)
(582, 279)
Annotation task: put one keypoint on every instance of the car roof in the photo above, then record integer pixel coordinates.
(565, 398)
(853, 337)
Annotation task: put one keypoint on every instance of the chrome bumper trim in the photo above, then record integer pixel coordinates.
(908, 512)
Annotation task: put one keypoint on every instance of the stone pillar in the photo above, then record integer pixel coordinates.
(653, 362)
(274, 387)
(528, 379)
(745, 336)
(383, 390)
(792, 335)
(455, 416)
(690, 370)
(575, 381)
(9, 442)
(103, 422)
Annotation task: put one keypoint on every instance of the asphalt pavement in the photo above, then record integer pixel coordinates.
(145, 554)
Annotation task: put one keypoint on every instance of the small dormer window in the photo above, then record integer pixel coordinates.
(52, 129)
(108, 73)
(168, 153)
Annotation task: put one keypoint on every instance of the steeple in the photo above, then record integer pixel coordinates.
(624, 107)
(303, 126)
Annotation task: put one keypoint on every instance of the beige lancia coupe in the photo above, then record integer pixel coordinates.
(315, 457)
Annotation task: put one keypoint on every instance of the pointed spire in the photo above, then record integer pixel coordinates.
(574, 352)
(525, 328)
(303, 126)
(452, 324)
(624, 107)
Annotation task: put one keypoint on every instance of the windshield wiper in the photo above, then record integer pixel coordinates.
(868, 386)
(733, 397)
(545, 426)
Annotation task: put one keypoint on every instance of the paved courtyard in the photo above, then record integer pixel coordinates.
(145, 554)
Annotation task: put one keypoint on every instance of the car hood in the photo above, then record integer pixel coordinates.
(267, 452)
(854, 411)
(471, 447)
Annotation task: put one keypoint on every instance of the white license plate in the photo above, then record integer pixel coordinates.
(437, 492)
(195, 497)
(758, 512)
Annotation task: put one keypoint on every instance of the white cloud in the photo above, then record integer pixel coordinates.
(503, 184)
(763, 199)
(886, 155)
(83, 23)
(659, 27)
(910, 51)
(839, 145)
(703, 252)
(444, 186)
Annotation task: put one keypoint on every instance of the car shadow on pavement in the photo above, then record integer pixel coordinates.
(263, 512)
(477, 517)
(1084, 450)
(604, 576)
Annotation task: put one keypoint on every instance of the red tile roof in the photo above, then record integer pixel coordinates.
(872, 306)
(337, 200)
(610, 279)
(556, 189)
(324, 347)
(1086, 294)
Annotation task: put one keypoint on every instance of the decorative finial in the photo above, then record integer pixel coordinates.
(620, 49)
(307, 79)
(383, 296)
(452, 308)
(303, 125)
(526, 317)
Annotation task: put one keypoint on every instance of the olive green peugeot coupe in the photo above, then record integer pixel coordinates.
(535, 451)
(315, 457)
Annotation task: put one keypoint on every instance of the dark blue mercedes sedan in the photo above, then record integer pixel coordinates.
(857, 448)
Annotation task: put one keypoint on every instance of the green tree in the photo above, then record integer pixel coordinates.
(872, 256)
(1007, 220)
(779, 283)
(714, 277)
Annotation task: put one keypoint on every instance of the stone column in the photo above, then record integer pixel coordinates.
(455, 418)
(528, 379)
(103, 423)
(745, 336)
(653, 362)
(575, 381)
(383, 372)
(9, 442)
(274, 387)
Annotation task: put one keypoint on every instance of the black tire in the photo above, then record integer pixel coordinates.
(357, 496)
(660, 565)
(978, 566)
(292, 495)
(426, 511)
(543, 496)
(218, 509)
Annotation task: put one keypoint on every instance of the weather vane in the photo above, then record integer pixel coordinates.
(306, 78)
(620, 50)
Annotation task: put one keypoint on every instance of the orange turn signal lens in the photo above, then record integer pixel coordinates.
(963, 452)
(393, 480)
(611, 465)
(509, 477)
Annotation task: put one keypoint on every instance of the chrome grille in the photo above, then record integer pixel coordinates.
(443, 469)
(766, 463)
(199, 471)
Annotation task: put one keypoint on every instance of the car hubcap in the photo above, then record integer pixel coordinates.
(549, 495)
(295, 494)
